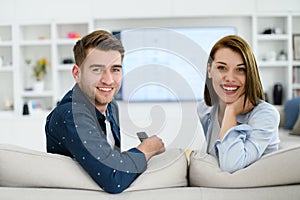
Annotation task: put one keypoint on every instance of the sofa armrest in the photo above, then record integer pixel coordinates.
(280, 109)
(278, 168)
(166, 170)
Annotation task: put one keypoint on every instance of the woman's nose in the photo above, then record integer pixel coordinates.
(229, 75)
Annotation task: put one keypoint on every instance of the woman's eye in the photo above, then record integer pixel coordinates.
(242, 69)
(220, 67)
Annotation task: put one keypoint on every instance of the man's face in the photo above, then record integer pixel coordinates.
(100, 76)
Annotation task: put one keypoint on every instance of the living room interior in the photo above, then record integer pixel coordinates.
(37, 34)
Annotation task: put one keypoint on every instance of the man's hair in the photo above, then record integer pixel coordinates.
(101, 40)
(253, 86)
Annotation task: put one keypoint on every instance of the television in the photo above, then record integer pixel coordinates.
(163, 64)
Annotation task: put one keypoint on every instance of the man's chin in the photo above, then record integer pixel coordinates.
(104, 100)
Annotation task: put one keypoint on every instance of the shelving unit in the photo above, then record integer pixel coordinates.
(21, 46)
(54, 40)
(295, 63)
(6, 67)
(272, 47)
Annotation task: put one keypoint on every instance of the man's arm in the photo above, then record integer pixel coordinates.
(81, 135)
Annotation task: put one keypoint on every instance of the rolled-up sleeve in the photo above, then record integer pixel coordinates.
(247, 142)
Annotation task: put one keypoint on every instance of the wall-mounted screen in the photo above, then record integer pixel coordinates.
(167, 64)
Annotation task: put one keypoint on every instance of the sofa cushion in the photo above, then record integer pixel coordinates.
(22, 167)
(291, 110)
(296, 127)
(277, 168)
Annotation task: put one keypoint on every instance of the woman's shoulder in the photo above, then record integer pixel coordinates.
(266, 108)
(203, 109)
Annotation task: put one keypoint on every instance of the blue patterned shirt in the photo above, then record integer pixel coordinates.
(76, 128)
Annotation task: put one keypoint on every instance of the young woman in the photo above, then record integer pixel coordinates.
(239, 125)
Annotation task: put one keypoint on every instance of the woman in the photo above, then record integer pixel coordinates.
(239, 125)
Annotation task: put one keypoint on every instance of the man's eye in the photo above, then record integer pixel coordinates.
(116, 69)
(96, 69)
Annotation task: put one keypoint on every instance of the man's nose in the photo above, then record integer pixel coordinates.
(106, 77)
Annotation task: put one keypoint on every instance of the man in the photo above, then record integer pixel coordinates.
(85, 124)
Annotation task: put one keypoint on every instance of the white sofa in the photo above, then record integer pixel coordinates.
(176, 174)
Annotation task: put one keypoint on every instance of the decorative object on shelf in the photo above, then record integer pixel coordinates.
(38, 86)
(25, 109)
(1, 61)
(271, 56)
(68, 61)
(277, 94)
(275, 30)
(73, 35)
(282, 55)
(40, 69)
(296, 46)
(8, 104)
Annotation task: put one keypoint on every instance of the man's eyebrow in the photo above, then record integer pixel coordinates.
(97, 65)
(120, 66)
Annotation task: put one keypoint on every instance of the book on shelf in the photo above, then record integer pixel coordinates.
(296, 74)
(296, 93)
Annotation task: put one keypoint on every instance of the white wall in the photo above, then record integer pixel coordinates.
(168, 120)
(70, 9)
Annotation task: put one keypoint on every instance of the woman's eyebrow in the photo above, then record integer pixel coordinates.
(220, 62)
(223, 63)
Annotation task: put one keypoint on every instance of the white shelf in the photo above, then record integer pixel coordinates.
(296, 63)
(35, 42)
(67, 41)
(6, 43)
(37, 94)
(272, 36)
(296, 86)
(65, 67)
(273, 63)
(6, 69)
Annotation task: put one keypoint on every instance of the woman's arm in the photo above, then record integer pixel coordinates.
(247, 141)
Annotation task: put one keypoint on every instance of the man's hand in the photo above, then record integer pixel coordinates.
(152, 146)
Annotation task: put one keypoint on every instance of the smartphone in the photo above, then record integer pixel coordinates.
(142, 136)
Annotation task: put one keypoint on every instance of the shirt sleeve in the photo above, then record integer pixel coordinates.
(247, 142)
(112, 170)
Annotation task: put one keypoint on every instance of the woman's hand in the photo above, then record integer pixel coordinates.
(238, 106)
(232, 110)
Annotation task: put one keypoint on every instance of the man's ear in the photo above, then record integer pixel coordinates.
(75, 73)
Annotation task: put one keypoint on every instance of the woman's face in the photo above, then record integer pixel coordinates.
(228, 75)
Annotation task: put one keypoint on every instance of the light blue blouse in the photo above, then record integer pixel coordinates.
(255, 135)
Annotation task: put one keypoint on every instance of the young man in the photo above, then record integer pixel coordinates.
(85, 124)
